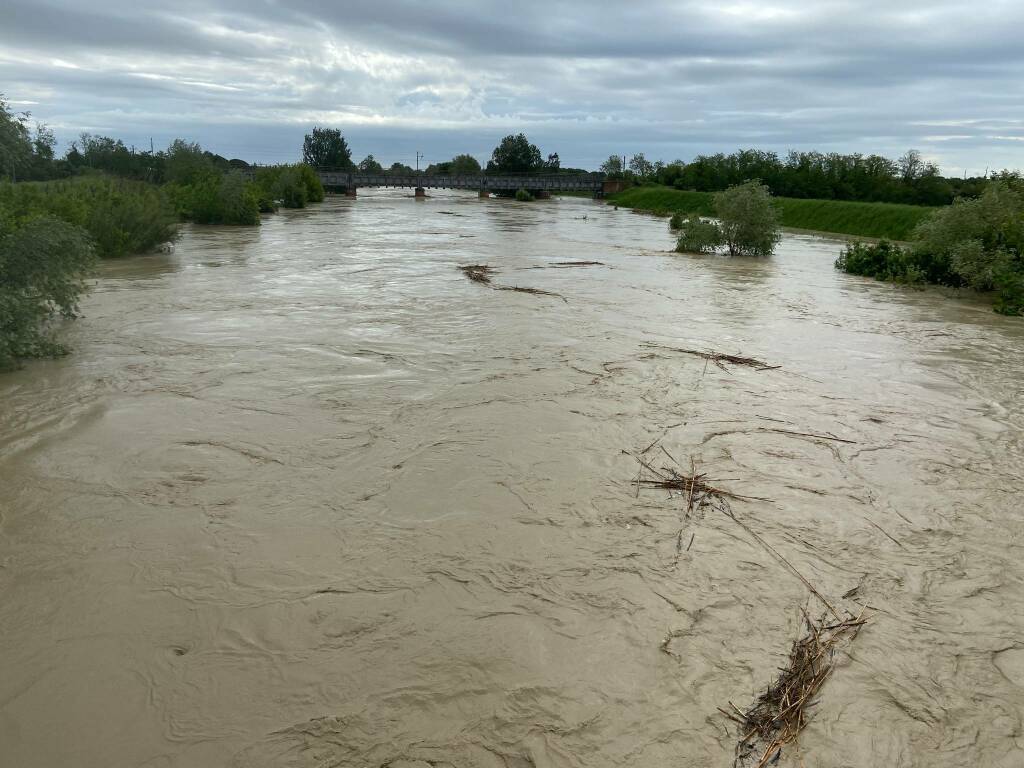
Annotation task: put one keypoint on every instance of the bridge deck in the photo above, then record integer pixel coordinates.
(479, 182)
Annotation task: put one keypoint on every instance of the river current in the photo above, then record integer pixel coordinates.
(304, 495)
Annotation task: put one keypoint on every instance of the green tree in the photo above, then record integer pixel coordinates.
(515, 154)
(464, 165)
(553, 163)
(326, 147)
(15, 143)
(185, 163)
(748, 219)
(641, 166)
(612, 167)
(43, 266)
(400, 169)
(369, 165)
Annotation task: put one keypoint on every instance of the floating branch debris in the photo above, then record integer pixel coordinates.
(719, 358)
(535, 291)
(780, 713)
(478, 273)
(576, 264)
(482, 273)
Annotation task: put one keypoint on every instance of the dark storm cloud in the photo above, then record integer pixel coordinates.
(582, 78)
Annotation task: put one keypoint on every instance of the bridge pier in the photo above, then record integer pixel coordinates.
(420, 192)
(350, 191)
(484, 194)
(543, 195)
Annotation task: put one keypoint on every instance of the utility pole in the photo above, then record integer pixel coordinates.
(419, 155)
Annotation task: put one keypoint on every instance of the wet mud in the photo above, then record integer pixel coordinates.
(306, 496)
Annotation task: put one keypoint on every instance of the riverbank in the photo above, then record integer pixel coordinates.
(874, 220)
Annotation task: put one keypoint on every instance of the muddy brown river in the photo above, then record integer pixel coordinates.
(306, 496)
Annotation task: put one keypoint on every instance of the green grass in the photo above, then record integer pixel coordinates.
(879, 220)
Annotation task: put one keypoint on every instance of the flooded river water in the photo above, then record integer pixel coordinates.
(304, 495)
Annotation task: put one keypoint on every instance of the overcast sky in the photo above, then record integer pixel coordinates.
(584, 79)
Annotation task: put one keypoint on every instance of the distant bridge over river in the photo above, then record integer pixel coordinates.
(350, 181)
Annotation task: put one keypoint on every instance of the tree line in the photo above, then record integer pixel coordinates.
(811, 175)
(514, 154)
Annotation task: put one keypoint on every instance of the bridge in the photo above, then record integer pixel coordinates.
(543, 185)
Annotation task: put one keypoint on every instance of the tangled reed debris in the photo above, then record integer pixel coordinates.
(692, 485)
(780, 713)
(719, 358)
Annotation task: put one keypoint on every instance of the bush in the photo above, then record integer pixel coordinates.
(310, 179)
(290, 185)
(882, 261)
(290, 189)
(749, 221)
(523, 195)
(696, 235)
(218, 199)
(976, 240)
(1009, 282)
(977, 243)
(43, 265)
(122, 217)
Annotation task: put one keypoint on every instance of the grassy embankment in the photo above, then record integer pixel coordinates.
(876, 220)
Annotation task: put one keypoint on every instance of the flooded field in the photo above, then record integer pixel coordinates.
(306, 496)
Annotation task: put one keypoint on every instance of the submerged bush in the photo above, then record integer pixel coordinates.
(696, 235)
(883, 261)
(43, 265)
(977, 243)
(523, 195)
(122, 217)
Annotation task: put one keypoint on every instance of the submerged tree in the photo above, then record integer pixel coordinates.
(748, 219)
(748, 224)
(326, 147)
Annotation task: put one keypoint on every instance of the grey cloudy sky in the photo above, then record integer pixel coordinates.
(247, 78)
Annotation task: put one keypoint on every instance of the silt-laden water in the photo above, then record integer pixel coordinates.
(305, 495)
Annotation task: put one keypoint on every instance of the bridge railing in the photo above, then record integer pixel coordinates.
(487, 182)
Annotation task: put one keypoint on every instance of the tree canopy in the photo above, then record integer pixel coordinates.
(515, 154)
(370, 165)
(326, 147)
